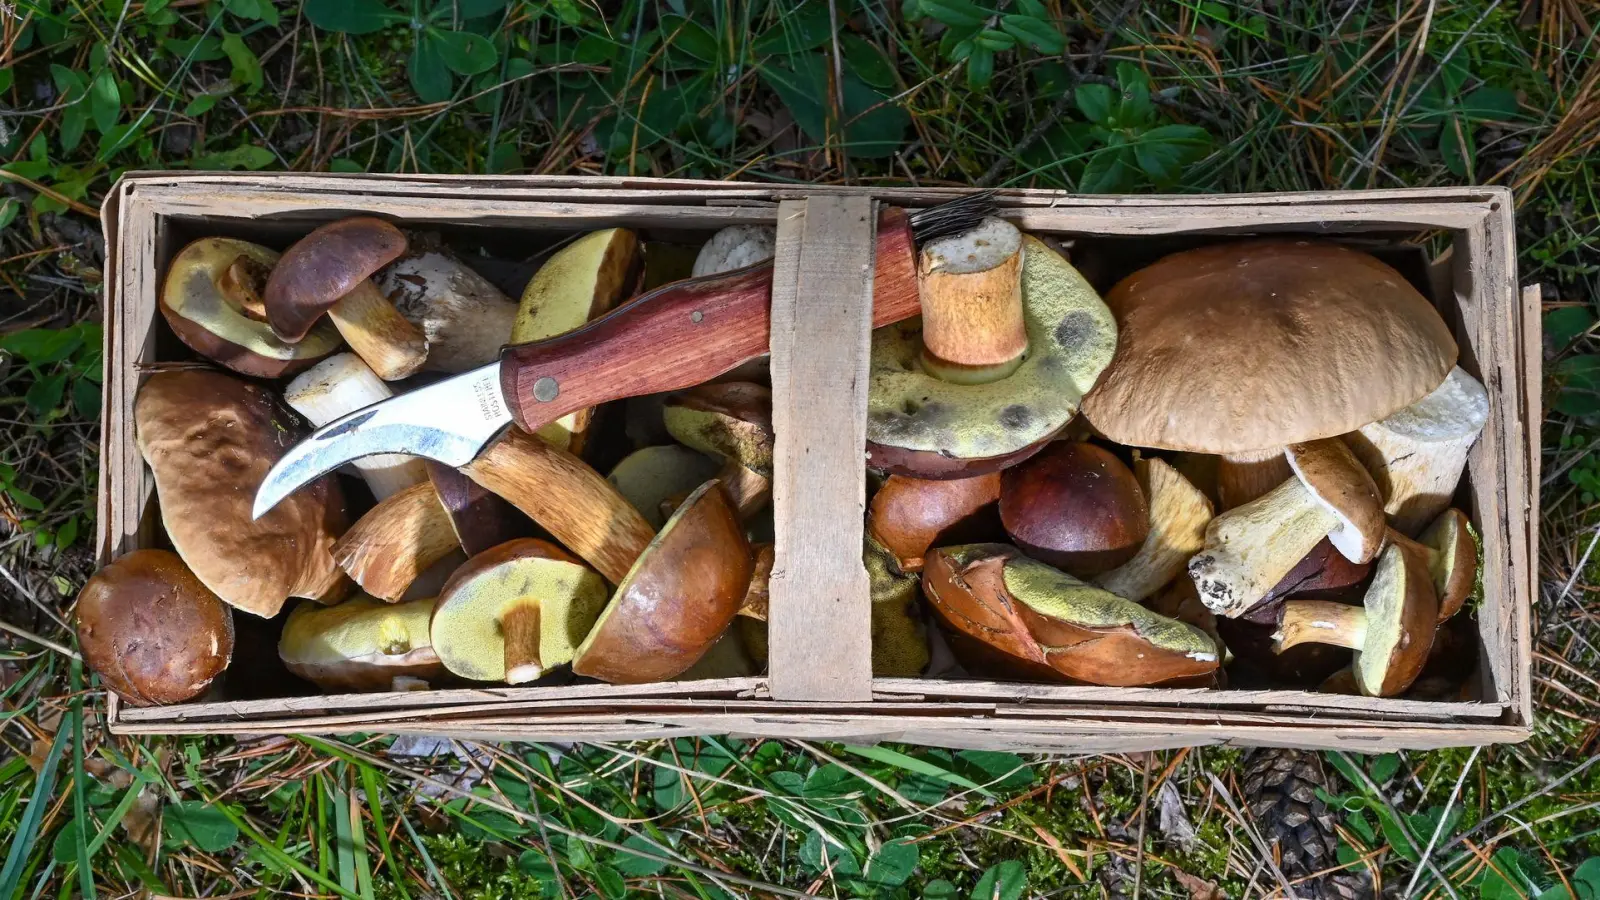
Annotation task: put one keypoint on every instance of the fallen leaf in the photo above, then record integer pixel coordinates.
(141, 823)
(1060, 851)
(1171, 817)
(1198, 888)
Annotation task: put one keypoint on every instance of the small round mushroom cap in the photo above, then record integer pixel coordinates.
(1257, 344)
(1337, 481)
(152, 631)
(1075, 506)
(361, 644)
(325, 265)
(1324, 573)
(1453, 562)
(909, 515)
(1402, 618)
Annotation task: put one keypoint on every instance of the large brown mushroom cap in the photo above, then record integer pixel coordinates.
(324, 266)
(1075, 506)
(1257, 344)
(209, 439)
(361, 644)
(152, 631)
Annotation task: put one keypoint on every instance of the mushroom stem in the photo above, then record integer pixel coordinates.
(242, 281)
(342, 384)
(755, 596)
(520, 625)
(1179, 514)
(971, 289)
(396, 541)
(1321, 622)
(1242, 477)
(749, 490)
(376, 331)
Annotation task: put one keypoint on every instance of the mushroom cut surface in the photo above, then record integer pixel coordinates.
(1257, 344)
(361, 644)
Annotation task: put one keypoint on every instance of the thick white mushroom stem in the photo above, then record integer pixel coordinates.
(1321, 622)
(520, 627)
(342, 384)
(463, 316)
(1179, 514)
(971, 289)
(1245, 476)
(376, 331)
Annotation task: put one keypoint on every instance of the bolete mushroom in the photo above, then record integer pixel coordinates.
(329, 271)
(908, 515)
(652, 477)
(579, 282)
(1391, 632)
(735, 247)
(211, 298)
(921, 424)
(516, 611)
(1320, 574)
(757, 595)
(152, 631)
(1250, 548)
(342, 384)
(1052, 625)
(1179, 514)
(1417, 455)
(361, 644)
(1450, 551)
(731, 422)
(463, 317)
(677, 600)
(1076, 507)
(1240, 349)
(209, 440)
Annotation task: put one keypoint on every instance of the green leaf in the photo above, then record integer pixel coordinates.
(994, 40)
(612, 887)
(9, 208)
(873, 128)
(634, 865)
(1395, 834)
(1384, 766)
(430, 77)
(867, 62)
(1001, 771)
(821, 855)
(1578, 378)
(464, 53)
(24, 499)
(1491, 104)
(939, 889)
(1508, 877)
(242, 157)
(1108, 172)
(201, 104)
(914, 765)
(67, 534)
(893, 864)
(1457, 147)
(1003, 881)
(955, 13)
(1423, 824)
(86, 399)
(504, 158)
(831, 783)
(806, 26)
(198, 824)
(74, 120)
(1035, 33)
(536, 864)
(351, 16)
(42, 346)
(105, 103)
(1034, 8)
(477, 9)
(1135, 108)
(1163, 152)
(980, 68)
(65, 847)
(1096, 102)
(1565, 324)
(689, 37)
(923, 790)
(246, 67)
(44, 394)
(1586, 879)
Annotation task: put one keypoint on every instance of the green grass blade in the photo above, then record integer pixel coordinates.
(344, 844)
(28, 830)
(80, 808)
(373, 790)
(912, 764)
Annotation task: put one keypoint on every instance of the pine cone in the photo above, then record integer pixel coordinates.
(1280, 790)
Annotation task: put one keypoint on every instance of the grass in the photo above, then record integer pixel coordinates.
(1091, 96)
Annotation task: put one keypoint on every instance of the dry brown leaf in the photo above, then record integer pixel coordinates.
(1198, 888)
(1060, 851)
(141, 823)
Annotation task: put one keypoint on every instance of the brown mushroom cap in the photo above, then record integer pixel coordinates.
(209, 439)
(322, 267)
(480, 518)
(1075, 506)
(1257, 344)
(207, 296)
(1049, 621)
(1337, 481)
(1321, 574)
(1453, 560)
(677, 600)
(151, 630)
(909, 515)
(361, 644)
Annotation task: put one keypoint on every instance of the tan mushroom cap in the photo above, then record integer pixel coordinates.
(1336, 480)
(1257, 344)
(324, 266)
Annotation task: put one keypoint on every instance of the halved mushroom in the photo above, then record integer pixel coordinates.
(1249, 549)
(735, 247)
(579, 282)
(211, 298)
(1451, 554)
(464, 318)
(329, 271)
(732, 422)
(909, 515)
(516, 611)
(1417, 455)
(1076, 507)
(151, 630)
(342, 384)
(652, 477)
(921, 424)
(361, 644)
(1179, 514)
(1049, 624)
(677, 600)
(1391, 632)
(210, 439)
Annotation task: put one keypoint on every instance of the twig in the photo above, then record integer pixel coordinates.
(55, 195)
(27, 635)
(1144, 817)
(1250, 830)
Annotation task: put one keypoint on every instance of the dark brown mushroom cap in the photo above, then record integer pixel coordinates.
(153, 632)
(1322, 574)
(480, 517)
(1075, 506)
(678, 598)
(909, 515)
(325, 265)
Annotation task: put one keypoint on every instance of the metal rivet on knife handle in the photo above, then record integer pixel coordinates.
(545, 389)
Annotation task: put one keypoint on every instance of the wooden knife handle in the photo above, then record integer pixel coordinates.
(680, 335)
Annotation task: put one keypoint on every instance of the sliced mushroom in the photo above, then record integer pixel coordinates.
(1417, 455)
(732, 422)
(464, 318)
(653, 477)
(516, 611)
(209, 440)
(1179, 514)
(1450, 551)
(677, 600)
(1248, 550)
(1075, 506)
(211, 299)
(342, 384)
(1046, 623)
(909, 515)
(151, 630)
(735, 247)
(756, 599)
(361, 645)
(329, 271)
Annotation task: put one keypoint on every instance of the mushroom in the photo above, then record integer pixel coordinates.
(1076, 507)
(329, 271)
(1391, 632)
(1048, 624)
(209, 440)
(211, 297)
(677, 600)
(654, 476)
(463, 317)
(516, 611)
(921, 424)
(731, 422)
(756, 597)
(152, 631)
(1320, 574)
(1179, 514)
(909, 515)
(1249, 549)
(1240, 349)
(361, 644)
(1417, 455)
(735, 247)
(1450, 552)
(899, 641)
(342, 384)
(579, 282)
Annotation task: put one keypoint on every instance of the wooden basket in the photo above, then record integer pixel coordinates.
(819, 683)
